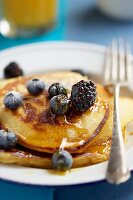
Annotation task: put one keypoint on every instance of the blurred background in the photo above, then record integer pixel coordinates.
(94, 21)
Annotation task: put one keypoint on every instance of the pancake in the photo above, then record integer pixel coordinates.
(38, 129)
(97, 152)
(86, 136)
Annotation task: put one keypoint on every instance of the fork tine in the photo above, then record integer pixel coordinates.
(121, 60)
(128, 62)
(118, 65)
(114, 64)
(107, 67)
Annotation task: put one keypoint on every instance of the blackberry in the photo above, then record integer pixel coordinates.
(12, 70)
(83, 95)
(79, 71)
(56, 89)
(59, 104)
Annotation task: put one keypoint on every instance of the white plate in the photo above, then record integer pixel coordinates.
(41, 57)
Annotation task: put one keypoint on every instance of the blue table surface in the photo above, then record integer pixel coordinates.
(79, 21)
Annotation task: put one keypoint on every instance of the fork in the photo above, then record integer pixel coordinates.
(117, 73)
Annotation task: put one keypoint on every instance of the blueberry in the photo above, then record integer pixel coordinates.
(13, 100)
(8, 140)
(59, 104)
(11, 139)
(56, 89)
(35, 86)
(12, 70)
(62, 160)
(3, 139)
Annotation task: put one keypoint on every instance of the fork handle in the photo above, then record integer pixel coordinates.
(117, 170)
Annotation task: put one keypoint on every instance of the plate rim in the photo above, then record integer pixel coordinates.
(52, 44)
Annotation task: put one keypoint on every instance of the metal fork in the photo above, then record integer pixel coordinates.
(117, 73)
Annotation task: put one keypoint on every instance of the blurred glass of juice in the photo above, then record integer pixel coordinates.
(27, 18)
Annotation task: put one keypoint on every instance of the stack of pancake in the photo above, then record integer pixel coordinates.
(87, 136)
